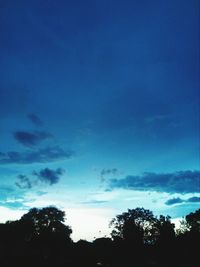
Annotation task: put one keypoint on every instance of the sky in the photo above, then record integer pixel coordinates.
(99, 109)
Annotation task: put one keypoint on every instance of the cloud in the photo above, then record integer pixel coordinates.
(94, 202)
(6, 191)
(178, 200)
(9, 192)
(24, 182)
(41, 193)
(31, 138)
(194, 199)
(107, 172)
(44, 155)
(35, 119)
(173, 201)
(113, 171)
(180, 182)
(49, 176)
(13, 204)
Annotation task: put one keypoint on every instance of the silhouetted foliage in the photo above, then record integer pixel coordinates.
(40, 234)
(138, 225)
(44, 220)
(193, 221)
(103, 249)
(166, 232)
(188, 238)
(139, 239)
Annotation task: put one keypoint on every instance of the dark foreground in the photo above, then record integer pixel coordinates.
(139, 239)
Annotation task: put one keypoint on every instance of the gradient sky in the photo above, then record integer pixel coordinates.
(99, 109)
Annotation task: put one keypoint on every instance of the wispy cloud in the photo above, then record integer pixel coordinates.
(180, 182)
(112, 171)
(31, 138)
(106, 172)
(5, 191)
(13, 204)
(24, 182)
(35, 119)
(94, 202)
(158, 118)
(43, 155)
(44, 176)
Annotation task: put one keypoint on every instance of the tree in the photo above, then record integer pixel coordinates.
(165, 240)
(193, 221)
(165, 228)
(188, 238)
(47, 220)
(137, 224)
(46, 236)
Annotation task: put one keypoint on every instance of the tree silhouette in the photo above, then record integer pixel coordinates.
(50, 236)
(193, 221)
(188, 237)
(49, 219)
(165, 240)
(138, 224)
(40, 238)
(136, 229)
(103, 249)
(166, 231)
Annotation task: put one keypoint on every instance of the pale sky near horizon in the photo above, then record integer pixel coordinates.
(99, 109)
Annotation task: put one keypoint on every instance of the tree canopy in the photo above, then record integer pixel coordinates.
(46, 220)
(41, 238)
(138, 224)
(193, 220)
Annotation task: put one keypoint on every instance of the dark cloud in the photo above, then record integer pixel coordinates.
(180, 182)
(24, 182)
(44, 155)
(35, 119)
(173, 201)
(31, 138)
(194, 199)
(49, 176)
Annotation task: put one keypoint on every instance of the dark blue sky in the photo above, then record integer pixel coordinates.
(99, 107)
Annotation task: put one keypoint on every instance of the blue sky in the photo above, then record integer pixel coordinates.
(99, 109)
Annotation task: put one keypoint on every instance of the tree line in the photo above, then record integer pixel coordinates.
(138, 239)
